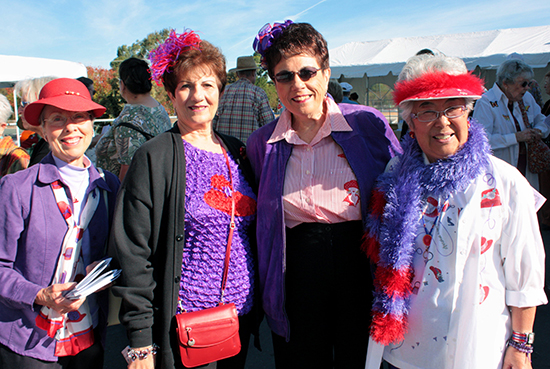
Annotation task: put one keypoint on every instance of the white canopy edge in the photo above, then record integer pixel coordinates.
(18, 68)
(487, 49)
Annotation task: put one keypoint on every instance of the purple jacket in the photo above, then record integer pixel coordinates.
(368, 148)
(31, 235)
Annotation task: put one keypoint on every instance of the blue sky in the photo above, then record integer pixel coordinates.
(90, 31)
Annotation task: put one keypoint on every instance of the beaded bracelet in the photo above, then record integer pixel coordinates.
(134, 354)
(521, 347)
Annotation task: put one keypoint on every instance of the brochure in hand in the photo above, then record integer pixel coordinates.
(94, 281)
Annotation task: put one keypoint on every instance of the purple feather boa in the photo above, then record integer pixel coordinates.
(405, 188)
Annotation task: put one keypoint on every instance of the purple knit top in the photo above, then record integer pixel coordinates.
(207, 217)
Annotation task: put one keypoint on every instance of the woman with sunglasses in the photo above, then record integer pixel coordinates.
(315, 166)
(454, 236)
(56, 217)
(511, 116)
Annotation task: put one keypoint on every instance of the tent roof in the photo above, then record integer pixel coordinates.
(17, 68)
(486, 49)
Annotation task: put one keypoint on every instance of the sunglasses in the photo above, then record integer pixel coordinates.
(305, 74)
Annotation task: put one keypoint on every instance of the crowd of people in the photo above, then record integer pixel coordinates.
(359, 250)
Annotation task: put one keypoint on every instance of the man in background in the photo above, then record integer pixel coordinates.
(346, 89)
(243, 107)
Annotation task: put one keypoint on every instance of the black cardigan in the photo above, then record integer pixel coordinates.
(148, 238)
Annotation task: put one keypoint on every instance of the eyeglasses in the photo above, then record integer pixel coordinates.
(59, 120)
(24, 103)
(305, 74)
(427, 116)
(525, 84)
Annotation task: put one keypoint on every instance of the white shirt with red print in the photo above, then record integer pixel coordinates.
(486, 254)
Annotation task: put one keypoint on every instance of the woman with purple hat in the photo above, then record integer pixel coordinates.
(315, 166)
(454, 235)
(54, 226)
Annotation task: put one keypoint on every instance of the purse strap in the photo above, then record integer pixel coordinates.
(231, 229)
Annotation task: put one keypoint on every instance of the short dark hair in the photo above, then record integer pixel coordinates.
(136, 75)
(296, 39)
(246, 73)
(207, 56)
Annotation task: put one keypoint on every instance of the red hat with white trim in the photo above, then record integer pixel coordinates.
(63, 93)
(438, 85)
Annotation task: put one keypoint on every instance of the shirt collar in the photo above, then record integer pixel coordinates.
(334, 122)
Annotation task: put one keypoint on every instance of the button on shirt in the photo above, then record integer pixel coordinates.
(320, 186)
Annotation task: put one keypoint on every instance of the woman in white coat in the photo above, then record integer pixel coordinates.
(511, 117)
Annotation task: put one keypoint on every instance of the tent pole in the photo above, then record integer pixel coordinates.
(16, 115)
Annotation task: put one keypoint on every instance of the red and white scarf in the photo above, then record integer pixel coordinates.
(73, 331)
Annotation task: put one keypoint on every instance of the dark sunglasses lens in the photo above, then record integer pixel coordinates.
(307, 73)
(524, 84)
(284, 77)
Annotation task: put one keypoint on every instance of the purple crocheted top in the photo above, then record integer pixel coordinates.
(207, 217)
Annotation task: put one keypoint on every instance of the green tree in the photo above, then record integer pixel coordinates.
(140, 49)
(263, 81)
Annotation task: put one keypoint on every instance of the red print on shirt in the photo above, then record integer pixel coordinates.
(217, 198)
(353, 197)
(485, 244)
(490, 198)
(483, 293)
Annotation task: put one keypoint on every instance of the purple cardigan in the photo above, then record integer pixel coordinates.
(31, 234)
(368, 148)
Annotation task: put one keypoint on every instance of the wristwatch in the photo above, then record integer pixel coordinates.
(524, 338)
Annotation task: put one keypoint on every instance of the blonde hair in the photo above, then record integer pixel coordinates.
(29, 89)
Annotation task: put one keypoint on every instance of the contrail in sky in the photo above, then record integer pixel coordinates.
(294, 18)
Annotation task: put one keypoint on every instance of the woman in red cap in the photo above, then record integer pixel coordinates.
(453, 233)
(56, 218)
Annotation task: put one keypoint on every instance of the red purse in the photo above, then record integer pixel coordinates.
(212, 334)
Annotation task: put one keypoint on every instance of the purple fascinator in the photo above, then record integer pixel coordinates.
(166, 54)
(267, 34)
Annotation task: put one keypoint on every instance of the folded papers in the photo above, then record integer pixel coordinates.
(94, 281)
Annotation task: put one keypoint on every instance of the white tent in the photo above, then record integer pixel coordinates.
(364, 64)
(18, 68)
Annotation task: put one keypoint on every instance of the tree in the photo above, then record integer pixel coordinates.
(263, 81)
(140, 49)
(107, 93)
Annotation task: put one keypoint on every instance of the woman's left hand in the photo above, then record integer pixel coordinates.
(52, 297)
(515, 359)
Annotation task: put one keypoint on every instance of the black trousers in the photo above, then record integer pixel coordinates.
(328, 298)
(91, 358)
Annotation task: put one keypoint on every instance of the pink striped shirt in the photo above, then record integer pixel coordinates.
(320, 186)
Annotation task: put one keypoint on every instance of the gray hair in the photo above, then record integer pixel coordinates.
(419, 65)
(5, 109)
(29, 89)
(511, 69)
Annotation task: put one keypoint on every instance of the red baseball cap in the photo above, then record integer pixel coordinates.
(63, 93)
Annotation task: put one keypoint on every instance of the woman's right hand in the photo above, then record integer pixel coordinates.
(527, 135)
(52, 297)
(147, 363)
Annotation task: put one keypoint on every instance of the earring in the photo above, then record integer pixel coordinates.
(411, 134)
